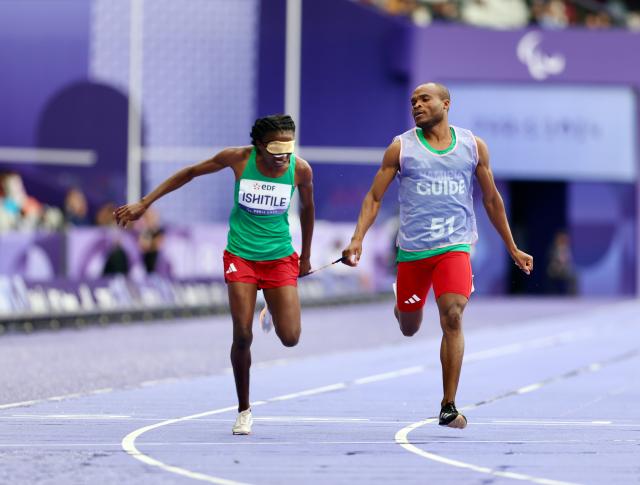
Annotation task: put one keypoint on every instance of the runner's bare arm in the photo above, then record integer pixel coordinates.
(371, 203)
(494, 206)
(304, 181)
(225, 158)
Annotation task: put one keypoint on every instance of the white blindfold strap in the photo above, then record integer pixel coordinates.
(280, 147)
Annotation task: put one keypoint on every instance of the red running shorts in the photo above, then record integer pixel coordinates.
(448, 273)
(265, 274)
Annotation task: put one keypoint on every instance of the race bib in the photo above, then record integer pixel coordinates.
(264, 198)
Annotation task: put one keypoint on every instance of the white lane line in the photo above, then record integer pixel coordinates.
(310, 392)
(266, 364)
(549, 341)
(542, 422)
(306, 443)
(481, 355)
(75, 395)
(312, 419)
(128, 442)
(517, 347)
(328, 420)
(390, 375)
(66, 396)
(70, 416)
(530, 388)
(104, 390)
(158, 381)
(270, 363)
(374, 442)
(402, 438)
(20, 404)
(129, 445)
(56, 445)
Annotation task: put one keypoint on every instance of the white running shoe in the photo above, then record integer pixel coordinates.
(266, 320)
(243, 423)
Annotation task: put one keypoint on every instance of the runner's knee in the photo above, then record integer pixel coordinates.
(242, 338)
(289, 338)
(451, 318)
(408, 330)
(409, 325)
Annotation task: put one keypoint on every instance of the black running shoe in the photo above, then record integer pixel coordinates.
(449, 416)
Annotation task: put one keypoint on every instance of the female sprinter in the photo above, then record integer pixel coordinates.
(259, 253)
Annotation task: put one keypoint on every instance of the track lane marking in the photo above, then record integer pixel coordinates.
(187, 444)
(508, 349)
(129, 445)
(128, 442)
(402, 436)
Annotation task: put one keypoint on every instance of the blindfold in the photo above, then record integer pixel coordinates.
(280, 147)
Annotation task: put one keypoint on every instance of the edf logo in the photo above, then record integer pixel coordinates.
(265, 187)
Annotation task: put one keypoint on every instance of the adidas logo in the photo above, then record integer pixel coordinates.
(232, 269)
(414, 299)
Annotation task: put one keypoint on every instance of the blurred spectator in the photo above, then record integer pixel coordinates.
(104, 216)
(496, 14)
(151, 239)
(9, 211)
(18, 202)
(598, 20)
(510, 14)
(401, 7)
(561, 273)
(76, 211)
(117, 261)
(550, 14)
(633, 21)
(444, 11)
(19, 210)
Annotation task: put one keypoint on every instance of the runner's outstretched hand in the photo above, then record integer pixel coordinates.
(130, 212)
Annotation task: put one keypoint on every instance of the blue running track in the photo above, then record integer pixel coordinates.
(551, 399)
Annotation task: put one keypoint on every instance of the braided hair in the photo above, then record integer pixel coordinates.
(271, 124)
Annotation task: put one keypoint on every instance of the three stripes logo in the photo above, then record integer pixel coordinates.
(232, 269)
(414, 299)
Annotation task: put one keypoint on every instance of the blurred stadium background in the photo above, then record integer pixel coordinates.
(100, 100)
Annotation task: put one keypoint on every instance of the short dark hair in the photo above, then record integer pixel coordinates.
(271, 124)
(444, 91)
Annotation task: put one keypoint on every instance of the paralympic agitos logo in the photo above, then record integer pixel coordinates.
(539, 64)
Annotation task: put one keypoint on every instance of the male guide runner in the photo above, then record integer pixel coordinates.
(435, 164)
(259, 253)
